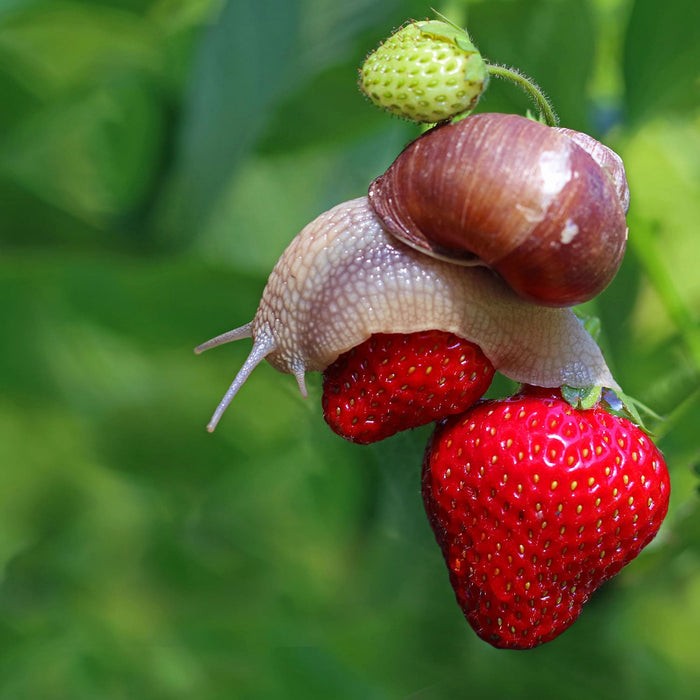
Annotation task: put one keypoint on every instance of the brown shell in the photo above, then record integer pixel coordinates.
(517, 195)
(607, 159)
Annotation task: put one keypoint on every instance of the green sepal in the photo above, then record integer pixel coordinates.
(613, 401)
(442, 30)
(582, 398)
(619, 404)
(539, 117)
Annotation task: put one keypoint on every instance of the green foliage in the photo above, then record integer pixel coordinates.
(661, 58)
(155, 159)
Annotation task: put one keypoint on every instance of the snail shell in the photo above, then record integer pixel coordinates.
(518, 196)
(606, 158)
(344, 278)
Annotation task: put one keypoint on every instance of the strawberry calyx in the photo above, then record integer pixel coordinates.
(613, 401)
(447, 31)
(622, 405)
(582, 398)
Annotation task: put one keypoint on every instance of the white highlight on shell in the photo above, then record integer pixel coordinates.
(533, 215)
(344, 278)
(568, 233)
(555, 171)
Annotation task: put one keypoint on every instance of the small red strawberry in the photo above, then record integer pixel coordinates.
(535, 504)
(392, 382)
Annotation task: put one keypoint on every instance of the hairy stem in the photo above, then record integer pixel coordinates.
(533, 90)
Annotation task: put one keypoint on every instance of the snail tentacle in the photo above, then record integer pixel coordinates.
(298, 369)
(262, 347)
(227, 337)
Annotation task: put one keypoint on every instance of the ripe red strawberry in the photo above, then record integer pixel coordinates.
(392, 382)
(535, 504)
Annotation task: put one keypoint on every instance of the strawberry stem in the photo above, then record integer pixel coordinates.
(534, 91)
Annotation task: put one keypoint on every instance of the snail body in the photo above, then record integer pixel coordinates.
(532, 202)
(344, 278)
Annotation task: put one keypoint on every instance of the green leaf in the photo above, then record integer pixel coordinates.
(52, 47)
(662, 58)
(105, 144)
(553, 42)
(449, 32)
(326, 112)
(248, 61)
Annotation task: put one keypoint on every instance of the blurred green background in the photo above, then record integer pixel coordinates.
(156, 156)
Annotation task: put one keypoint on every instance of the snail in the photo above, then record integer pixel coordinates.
(345, 277)
(544, 209)
(361, 267)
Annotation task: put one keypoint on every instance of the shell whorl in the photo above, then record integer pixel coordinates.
(607, 159)
(344, 278)
(522, 197)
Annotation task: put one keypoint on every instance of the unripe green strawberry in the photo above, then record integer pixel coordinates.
(426, 72)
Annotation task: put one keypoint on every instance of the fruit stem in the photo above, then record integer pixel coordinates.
(535, 92)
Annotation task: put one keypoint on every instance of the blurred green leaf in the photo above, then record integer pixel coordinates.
(140, 556)
(324, 113)
(10, 6)
(17, 101)
(270, 94)
(105, 144)
(552, 41)
(31, 221)
(55, 46)
(182, 14)
(247, 61)
(269, 201)
(661, 59)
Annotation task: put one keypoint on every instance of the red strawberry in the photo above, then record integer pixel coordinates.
(392, 382)
(535, 504)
